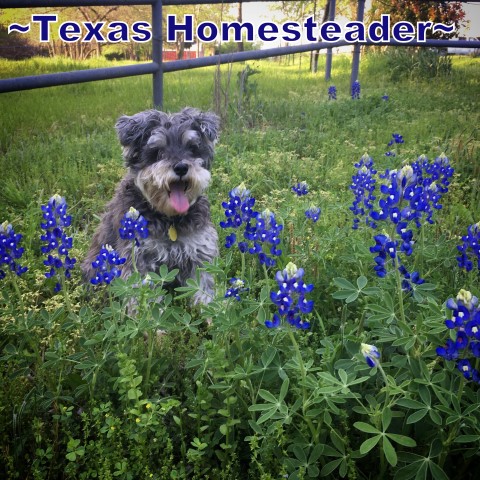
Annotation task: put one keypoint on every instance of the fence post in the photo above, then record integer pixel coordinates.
(356, 48)
(329, 55)
(157, 53)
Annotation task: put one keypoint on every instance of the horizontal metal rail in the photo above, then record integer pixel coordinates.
(79, 76)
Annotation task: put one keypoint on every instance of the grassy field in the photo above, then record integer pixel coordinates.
(278, 130)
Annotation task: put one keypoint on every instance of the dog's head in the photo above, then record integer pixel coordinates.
(170, 155)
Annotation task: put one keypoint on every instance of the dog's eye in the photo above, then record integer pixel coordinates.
(194, 149)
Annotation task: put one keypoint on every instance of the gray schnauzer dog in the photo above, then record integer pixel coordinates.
(168, 158)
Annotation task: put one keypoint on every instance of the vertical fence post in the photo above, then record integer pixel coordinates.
(157, 53)
(329, 55)
(356, 48)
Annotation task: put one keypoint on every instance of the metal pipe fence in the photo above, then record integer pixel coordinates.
(157, 68)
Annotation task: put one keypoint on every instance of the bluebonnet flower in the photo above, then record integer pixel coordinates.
(465, 322)
(332, 92)
(371, 354)
(313, 213)
(301, 188)
(409, 278)
(384, 247)
(396, 139)
(105, 266)
(57, 242)
(238, 286)
(10, 250)
(355, 90)
(363, 186)
(133, 226)
(290, 298)
(385, 97)
(260, 231)
(410, 194)
(470, 248)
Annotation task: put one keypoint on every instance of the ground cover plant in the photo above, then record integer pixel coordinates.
(344, 339)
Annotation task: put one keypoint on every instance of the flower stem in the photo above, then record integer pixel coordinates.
(399, 290)
(303, 374)
(13, 281)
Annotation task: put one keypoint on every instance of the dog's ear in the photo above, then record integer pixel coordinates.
(208, 123)
(134, 131)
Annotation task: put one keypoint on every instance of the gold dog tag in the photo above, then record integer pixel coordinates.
(172, 233)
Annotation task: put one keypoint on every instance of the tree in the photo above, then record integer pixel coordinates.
(415, 11)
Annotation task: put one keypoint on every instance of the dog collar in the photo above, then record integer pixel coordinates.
(172, 233)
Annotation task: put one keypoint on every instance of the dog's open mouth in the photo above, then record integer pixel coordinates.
(178, 198)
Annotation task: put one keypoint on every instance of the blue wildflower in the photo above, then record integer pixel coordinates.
(470, 248)
(313, 213)
(238, 286)
(355, 90)
(332, 92)
(301, 188)
(10, 250)
(261, 232)
(363, 186)
(106, 266)
(396, 138)
(291, 298)
(371, 354)
(465, 322)
(385, 97)
(57, 242)
(133, 226)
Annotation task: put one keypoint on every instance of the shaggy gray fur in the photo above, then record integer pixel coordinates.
(164, 153)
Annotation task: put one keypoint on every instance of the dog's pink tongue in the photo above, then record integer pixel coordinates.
(178, 199)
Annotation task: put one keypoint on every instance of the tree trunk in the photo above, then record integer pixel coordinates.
(317, 52)
(240, 47)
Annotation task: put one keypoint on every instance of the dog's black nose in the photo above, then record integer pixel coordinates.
(180, 169)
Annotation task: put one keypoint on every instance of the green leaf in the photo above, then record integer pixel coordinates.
(361, 282)
(260, 407)
(417, 416)
(389, 452)
(330, 467)
(316, 453)
(267, 415)
(266, 395)
(437, 472)
(366, 427)
(342, 294)
(72, 456)
(467, 438)
(344, 284)
(368, 444)
(223, 429)
(255, 427)
(386, 418)
(407, 402)
(402, 440)
(343, 376)
(268, 355)
(352, 297)
(284, 389)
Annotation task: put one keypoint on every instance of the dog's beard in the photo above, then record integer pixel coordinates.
(166, 192)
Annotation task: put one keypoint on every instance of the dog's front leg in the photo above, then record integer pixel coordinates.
(206, 292)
